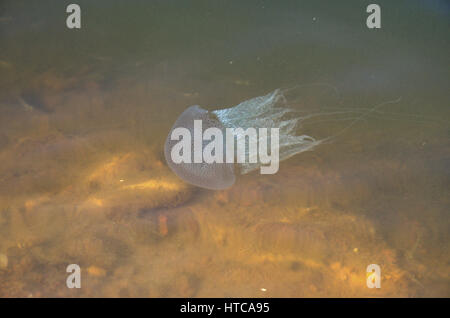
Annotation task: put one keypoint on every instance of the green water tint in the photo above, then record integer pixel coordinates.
(84, 118)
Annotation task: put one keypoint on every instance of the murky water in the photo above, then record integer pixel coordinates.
(84, 115)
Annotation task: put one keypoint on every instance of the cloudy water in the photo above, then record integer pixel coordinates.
(84, 115)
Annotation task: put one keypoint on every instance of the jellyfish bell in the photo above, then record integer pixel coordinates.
(216, 175)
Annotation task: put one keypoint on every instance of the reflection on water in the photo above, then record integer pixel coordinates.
(84, 116)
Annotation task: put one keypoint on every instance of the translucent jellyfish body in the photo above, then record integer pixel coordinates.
(264, 112)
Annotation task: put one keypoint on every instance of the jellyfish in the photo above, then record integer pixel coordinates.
(267, 112)
(270, 111)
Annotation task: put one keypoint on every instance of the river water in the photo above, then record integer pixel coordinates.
(84, 114)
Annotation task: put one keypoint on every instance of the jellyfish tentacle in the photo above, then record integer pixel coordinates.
(268, 111)
(366, 114)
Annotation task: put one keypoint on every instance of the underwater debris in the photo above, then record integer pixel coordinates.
(242, 82)
(96, 271)
(3, 261)
(163, 225)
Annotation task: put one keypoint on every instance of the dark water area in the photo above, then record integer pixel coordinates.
(84, 114)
